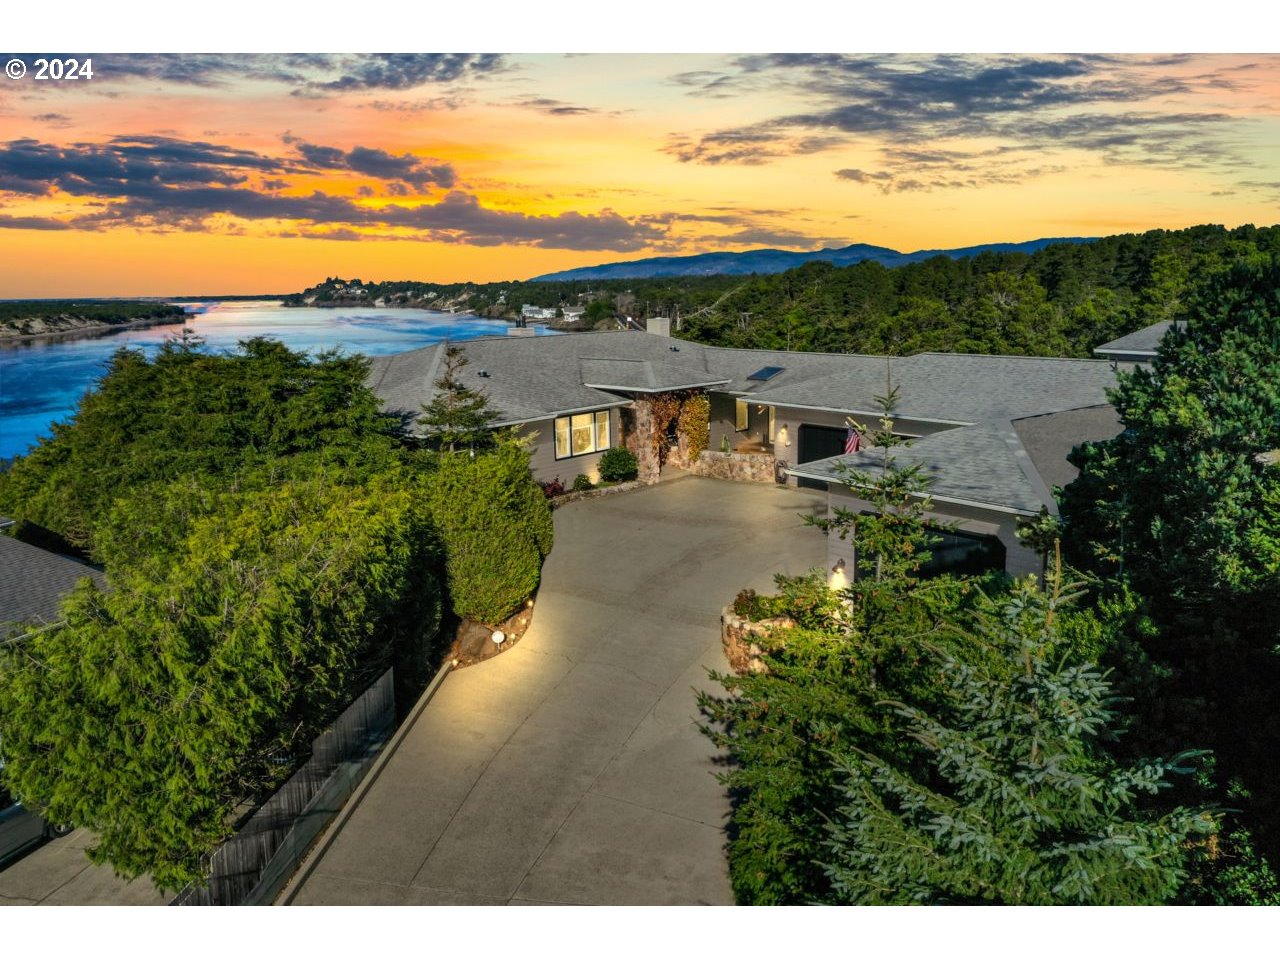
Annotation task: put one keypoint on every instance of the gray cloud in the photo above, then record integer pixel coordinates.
(313, 74)
(372, 162)
(158, 183)
(908, 102)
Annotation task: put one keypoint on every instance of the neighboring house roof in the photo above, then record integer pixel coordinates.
(982, 465)
(1140, 343)
(34, 581)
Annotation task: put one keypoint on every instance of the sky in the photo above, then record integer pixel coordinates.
(176, 174)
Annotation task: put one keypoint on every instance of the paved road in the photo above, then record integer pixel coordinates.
(570, 768)
(59, 873)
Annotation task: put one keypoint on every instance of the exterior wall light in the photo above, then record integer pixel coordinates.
(784, 435)
(837, 580)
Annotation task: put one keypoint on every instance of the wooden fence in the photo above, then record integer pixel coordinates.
(254, 864)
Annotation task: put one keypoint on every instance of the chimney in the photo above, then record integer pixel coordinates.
(659, 326)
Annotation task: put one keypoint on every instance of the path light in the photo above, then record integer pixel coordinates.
(530, 603)
(498, 637)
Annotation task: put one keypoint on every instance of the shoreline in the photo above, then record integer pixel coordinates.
(90, 332)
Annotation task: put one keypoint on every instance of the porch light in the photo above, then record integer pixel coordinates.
(784, 436)
(837, 580)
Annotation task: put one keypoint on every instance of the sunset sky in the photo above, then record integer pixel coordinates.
(221, 174)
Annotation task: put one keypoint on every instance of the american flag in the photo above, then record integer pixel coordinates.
(852, 441)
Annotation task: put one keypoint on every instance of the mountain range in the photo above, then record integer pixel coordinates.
(776, 261)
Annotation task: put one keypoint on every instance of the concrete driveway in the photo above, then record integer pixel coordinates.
(59, 873)
(570, 769)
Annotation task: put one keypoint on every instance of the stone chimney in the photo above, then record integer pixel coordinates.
(660, 326)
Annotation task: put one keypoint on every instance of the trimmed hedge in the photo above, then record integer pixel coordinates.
(496, 528)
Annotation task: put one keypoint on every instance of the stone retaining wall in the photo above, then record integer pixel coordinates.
(745, 467)
(573, 496)
(740, 639)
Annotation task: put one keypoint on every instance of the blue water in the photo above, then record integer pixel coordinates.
(42, 382)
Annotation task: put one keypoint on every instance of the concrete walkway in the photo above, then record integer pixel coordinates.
(59, 874)
(570, 769)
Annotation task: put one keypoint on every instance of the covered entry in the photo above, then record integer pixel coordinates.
(818, 443)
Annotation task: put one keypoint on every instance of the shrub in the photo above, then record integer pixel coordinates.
(618, 463)
(752, 606)
(496, 528)
(807, 599)
(551, 488)
(582, 482)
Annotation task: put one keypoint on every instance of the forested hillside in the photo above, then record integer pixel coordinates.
(1062, 300)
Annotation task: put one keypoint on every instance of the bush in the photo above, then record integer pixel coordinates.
(496, 528)
(808, 600)
(551, 488)
(582, 482)
(752, 606)
(618, 463)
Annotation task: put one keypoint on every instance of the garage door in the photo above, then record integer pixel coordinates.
(818, 443)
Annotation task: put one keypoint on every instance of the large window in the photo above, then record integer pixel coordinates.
(582, 433)
(962, 554)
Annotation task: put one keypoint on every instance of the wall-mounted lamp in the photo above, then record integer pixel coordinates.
(759, 408)
(784, 436)
(839, 567)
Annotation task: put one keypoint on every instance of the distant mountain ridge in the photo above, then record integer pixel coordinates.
(776, 261)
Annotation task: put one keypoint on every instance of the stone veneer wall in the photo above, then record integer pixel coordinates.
(748, 467)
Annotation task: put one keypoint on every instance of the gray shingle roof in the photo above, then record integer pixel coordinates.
(952, 387)
(33, 582)
(981, 464)
(1141, 342)
(531, 378)
(644, 376)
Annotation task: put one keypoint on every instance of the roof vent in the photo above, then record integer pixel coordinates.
(675, 349)
(482, 373)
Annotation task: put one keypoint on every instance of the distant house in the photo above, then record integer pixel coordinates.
(992, 432)
(530, 312)
(573, 313)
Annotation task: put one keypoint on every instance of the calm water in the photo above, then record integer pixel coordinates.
(43, 382)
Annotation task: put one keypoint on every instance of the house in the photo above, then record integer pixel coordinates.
(992, 432)
(530, 312)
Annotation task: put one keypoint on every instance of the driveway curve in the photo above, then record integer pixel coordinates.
(570, 768)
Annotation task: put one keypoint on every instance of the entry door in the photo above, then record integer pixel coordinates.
(818, 443)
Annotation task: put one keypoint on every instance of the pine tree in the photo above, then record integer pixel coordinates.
(457, 416)
(1009, 797)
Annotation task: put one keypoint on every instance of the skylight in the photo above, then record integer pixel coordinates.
(766, 373)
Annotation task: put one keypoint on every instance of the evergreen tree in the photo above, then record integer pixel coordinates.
(823, 679)
(457, 416)
(1007, 796)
